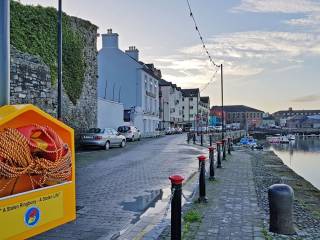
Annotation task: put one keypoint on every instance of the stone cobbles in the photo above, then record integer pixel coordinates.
(268, 169)
(114, 189)
(232, 211)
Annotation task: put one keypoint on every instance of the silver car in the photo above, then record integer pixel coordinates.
(106, 138)
(130, 132)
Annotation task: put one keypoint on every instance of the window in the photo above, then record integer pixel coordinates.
(191, 107)
(183, 107)
(191, 99)
(191, 115)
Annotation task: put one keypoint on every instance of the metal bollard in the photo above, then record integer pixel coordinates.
(223, 149)
(229, 146)
(211, 157)
(194, 138)
(281, 207)
(210, 139)
(202, 180)
(176, 187)
(201, 139)
(219, 155)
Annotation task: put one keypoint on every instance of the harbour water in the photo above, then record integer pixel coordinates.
(302, 156)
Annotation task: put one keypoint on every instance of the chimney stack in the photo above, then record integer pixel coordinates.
(110, 40)
(133, 52)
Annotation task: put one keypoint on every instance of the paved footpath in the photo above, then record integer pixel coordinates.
(115, 187)
(232, 211)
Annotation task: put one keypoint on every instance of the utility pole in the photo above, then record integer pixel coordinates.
(4, 52)
(222, 110)
(60, 60)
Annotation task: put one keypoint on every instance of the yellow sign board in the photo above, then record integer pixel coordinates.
(30, 213)
(37, 190)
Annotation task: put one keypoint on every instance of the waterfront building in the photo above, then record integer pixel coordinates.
(190, 99)
(290, 112)
(268, 121)
(170, 100)
(125, 79)
(300, 121)
(204, 110)
(245, 116)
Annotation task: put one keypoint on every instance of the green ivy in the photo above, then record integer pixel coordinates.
(34, 31)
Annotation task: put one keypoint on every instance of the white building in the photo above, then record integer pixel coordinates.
(107, 108)
(204, 110)
(190, 99)
(125, 79)
(171, 113)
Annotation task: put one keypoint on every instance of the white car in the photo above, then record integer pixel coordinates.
(130, 132)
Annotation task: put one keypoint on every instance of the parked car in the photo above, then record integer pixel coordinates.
(106, 138)
(130, 132)
(168, 131)
(178, 130)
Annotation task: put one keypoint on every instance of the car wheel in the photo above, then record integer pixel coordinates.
(123, 143)
(132, 139)
(107, 146)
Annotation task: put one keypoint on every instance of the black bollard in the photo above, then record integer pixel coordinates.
(210, 139)
(202, 180)
(188, 137)
(211, 157)
(194, 138)
(176, 187)
(281, 206)
(201, 139)
(223, 149)
(229, 146)
(219, 155)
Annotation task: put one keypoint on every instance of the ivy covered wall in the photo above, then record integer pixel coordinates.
(34, 31)
(34, 63)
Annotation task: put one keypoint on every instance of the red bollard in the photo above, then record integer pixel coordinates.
(176, 188)
(202, 180)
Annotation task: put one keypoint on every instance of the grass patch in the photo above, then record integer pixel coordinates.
(266, 234)
(192, 216)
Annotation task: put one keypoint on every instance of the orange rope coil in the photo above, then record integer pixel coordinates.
(20, 155)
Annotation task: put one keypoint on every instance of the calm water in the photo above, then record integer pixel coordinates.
(302, 156)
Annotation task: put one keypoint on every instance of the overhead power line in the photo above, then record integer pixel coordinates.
(211, 79)
(215, 65)
(201, 37)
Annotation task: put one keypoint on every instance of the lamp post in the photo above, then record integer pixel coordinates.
(60, 60)
(222, 110)
(4, 52)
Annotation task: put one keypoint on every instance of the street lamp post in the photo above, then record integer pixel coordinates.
(222, 110)
(60, 60)
(4, 52)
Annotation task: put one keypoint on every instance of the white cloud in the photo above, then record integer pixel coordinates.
(310, 8)
(243, 54)
(283, 6)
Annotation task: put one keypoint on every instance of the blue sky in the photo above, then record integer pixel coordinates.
(270, 49)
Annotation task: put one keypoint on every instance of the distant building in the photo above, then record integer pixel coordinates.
(125, 79)
(247, 117)
(204, 110)
(171, 104)
(290, 112)
(300, 121)
(268, 121)
(190, 99)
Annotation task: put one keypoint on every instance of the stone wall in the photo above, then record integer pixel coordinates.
(31, 82)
